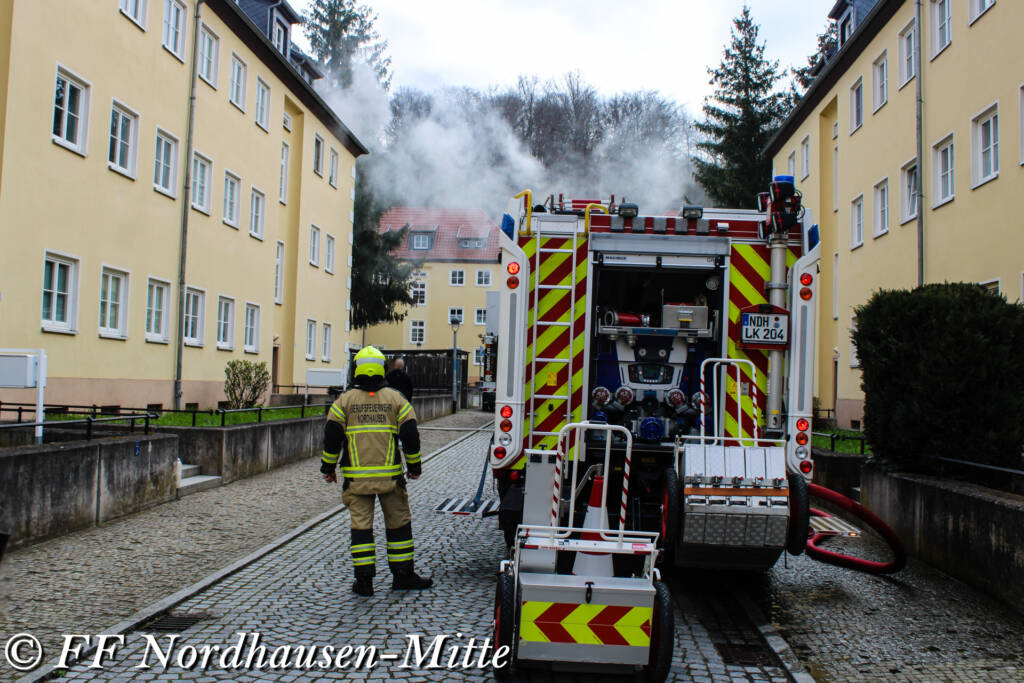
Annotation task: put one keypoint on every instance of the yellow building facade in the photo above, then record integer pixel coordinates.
(852, 145)
(457, 255)
(104, 166)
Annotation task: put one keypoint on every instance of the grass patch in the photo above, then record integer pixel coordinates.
(205, 418)
(846, 441)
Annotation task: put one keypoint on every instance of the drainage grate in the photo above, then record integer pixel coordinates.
(173, 623)
(744, 655)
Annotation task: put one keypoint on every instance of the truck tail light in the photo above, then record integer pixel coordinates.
(513, 268)
(499, 452)
(801, 424)
(512, 282)
(806, 279)
(513, 475)
(505, 426)
(506, 411)
(801, 438)
(806, 293)
(806, 466)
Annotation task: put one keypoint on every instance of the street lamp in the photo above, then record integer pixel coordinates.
(454, 321)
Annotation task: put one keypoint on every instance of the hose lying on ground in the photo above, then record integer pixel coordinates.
(849, 561)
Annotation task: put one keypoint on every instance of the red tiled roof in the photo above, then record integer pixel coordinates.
(446, 226)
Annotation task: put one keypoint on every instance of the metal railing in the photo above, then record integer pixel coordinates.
(833, 437)
(88, 422)
(93, 412)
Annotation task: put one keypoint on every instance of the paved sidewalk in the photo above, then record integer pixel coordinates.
(89, 580)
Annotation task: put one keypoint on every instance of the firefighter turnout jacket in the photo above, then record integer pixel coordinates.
(361, 432)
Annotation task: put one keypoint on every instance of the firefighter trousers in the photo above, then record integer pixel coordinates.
(398, 529)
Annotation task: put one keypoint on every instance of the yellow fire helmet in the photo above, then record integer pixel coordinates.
(369, 362)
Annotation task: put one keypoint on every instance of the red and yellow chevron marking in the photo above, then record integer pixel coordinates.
(560, 622)
(556, 332)
(749, 272)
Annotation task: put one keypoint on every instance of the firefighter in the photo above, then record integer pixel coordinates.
(363, 424)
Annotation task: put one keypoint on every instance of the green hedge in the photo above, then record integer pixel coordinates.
(942, 375)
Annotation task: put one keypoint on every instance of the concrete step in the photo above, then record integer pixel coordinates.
(189, 471)
(197, 483)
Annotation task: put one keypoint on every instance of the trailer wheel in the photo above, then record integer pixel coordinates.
(504, 621)
(670, 515)
(799, 514)
(663, 636)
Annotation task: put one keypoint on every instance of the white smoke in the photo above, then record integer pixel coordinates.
(463, 154)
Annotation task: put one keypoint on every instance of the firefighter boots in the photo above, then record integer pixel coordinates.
(410, 581)
(363, 585)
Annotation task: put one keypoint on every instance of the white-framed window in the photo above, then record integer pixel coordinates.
(835, 286)
(279, 274)
(457, 278)
(483, 278)
(202, 171)
(192, 330)
(857, 222)
(165, 164)
(856, 105)
(417, 331)
(237, 94)
(944, 165)
(419, 293)
(332, 170)
(232, 197)
(985, 143)
(251, 338)
(209, 49)
(978, 7)
(314, 246)
(280, 37)
(262, 104)
(805, 157)
(156, 310)
(880, 83)
(421, 240)
(329, 252)
(124, 135)
(478, 356)
(174, 28)
(854, 358)
(791, 164)
(60, 293)
(881, 208)
(225, 322)
(455, 313)
(318, 155)
(257, 213)
(282, 192)
(113, 303)
(479, 316)
(70, 111)
(845, 26)
(325, 343)
(310, 339)
(909, 201)
(942, 25)
(907, 43)
(134, 10)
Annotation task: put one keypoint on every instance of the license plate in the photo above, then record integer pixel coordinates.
(765, 328)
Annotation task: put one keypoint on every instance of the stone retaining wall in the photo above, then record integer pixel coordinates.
(971, 532)
(53, 489)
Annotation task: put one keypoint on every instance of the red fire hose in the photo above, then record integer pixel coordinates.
(849, 561)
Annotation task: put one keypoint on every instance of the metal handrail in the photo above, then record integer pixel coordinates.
(88, 421)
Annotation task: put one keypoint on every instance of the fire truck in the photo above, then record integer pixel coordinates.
(659, 369)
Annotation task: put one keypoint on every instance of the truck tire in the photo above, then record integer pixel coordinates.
(504, 622)
(670, 516)
(799, 514)
(663, 636)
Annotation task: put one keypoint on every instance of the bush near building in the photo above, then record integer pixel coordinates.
(245, 383)
(942, 375)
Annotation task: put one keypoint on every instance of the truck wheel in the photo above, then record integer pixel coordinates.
(504, 621)
(670, 512)
(663, 636)
(799, 514)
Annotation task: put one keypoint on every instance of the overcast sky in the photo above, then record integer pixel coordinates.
(664, 45)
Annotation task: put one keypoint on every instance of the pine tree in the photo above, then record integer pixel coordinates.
(381, 283)
(803, 76)
(341, 34)
(740, 118)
